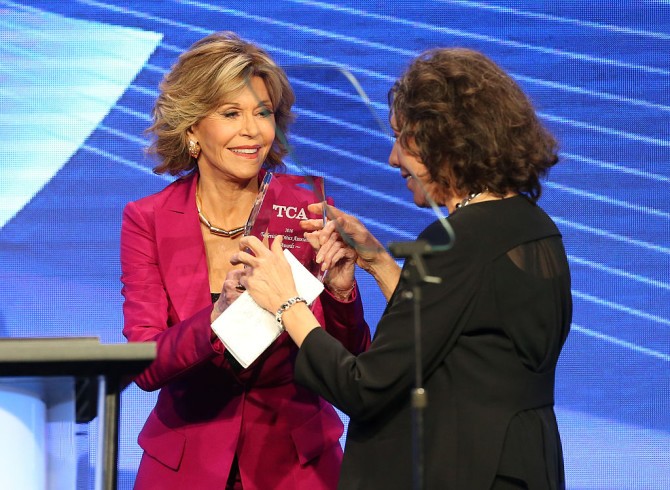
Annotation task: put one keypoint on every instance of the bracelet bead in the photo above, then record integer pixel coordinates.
(282, 309)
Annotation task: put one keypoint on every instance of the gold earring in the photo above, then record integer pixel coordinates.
(193, 149)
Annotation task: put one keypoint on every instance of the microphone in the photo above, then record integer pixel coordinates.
(410, 249)
(413, 251)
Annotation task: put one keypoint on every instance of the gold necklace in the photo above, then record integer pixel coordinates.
(214, 230)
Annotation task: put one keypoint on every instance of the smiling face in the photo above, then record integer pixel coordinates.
(415, 174)
(237, 137)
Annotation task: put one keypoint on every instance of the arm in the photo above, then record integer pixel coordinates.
(364, 385)
(146, 307)
(344, 319)
(339, 308)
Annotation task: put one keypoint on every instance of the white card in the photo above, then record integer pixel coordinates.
(247, 330)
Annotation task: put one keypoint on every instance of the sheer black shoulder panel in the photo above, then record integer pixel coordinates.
(541, 258)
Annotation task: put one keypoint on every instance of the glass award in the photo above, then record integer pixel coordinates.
(280, 206)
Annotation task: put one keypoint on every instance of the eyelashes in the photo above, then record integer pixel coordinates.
(263, 113)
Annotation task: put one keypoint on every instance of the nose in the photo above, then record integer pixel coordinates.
(393, 157)
(248, 125)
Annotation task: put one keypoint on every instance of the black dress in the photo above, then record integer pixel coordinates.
(492, 332)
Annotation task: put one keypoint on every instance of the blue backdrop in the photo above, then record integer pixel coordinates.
(78, 79)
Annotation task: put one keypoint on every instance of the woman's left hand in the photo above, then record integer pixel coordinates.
(332, 254)
(268, 278)
(229, 293)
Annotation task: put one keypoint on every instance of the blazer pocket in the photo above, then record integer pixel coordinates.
(319, 432)
(161, 442)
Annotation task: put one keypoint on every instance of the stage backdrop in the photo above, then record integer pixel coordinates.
(78, 79)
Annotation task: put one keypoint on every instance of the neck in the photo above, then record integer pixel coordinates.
(463, 200)
(226, 204)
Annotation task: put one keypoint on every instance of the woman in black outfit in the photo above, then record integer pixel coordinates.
(492, 331)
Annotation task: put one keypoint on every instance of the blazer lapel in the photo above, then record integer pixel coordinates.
(181, 249)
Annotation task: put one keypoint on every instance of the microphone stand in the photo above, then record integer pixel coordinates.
(414, 273)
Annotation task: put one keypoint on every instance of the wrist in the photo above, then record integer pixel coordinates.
(217, 309)
(342, 294)
(285, 306)
(381, 264)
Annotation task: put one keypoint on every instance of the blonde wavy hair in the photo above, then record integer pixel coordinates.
(205, 76)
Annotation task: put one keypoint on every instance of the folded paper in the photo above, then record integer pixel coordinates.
(247, 330)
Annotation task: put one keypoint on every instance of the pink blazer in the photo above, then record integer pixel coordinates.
(285, 436)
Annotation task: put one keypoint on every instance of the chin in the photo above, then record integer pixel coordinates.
(421, 202)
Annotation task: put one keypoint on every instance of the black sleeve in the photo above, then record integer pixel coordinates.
(363, 385)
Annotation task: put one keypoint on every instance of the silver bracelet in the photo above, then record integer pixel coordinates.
(282, 309)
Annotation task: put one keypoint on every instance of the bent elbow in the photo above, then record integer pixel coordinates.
(360, 411)
(146, 383)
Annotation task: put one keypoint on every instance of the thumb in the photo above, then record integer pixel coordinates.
(332, 212)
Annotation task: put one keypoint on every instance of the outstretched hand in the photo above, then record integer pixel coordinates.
(345, 241)
(268, 277)
(343, 237)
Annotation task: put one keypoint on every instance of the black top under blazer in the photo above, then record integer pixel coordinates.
(492, 332)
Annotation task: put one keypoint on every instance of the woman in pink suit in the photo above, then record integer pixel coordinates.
(216, 425)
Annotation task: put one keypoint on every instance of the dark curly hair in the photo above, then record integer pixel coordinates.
(471, 125)
(205, 76)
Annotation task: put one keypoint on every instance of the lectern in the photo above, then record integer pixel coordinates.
(101, 372)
